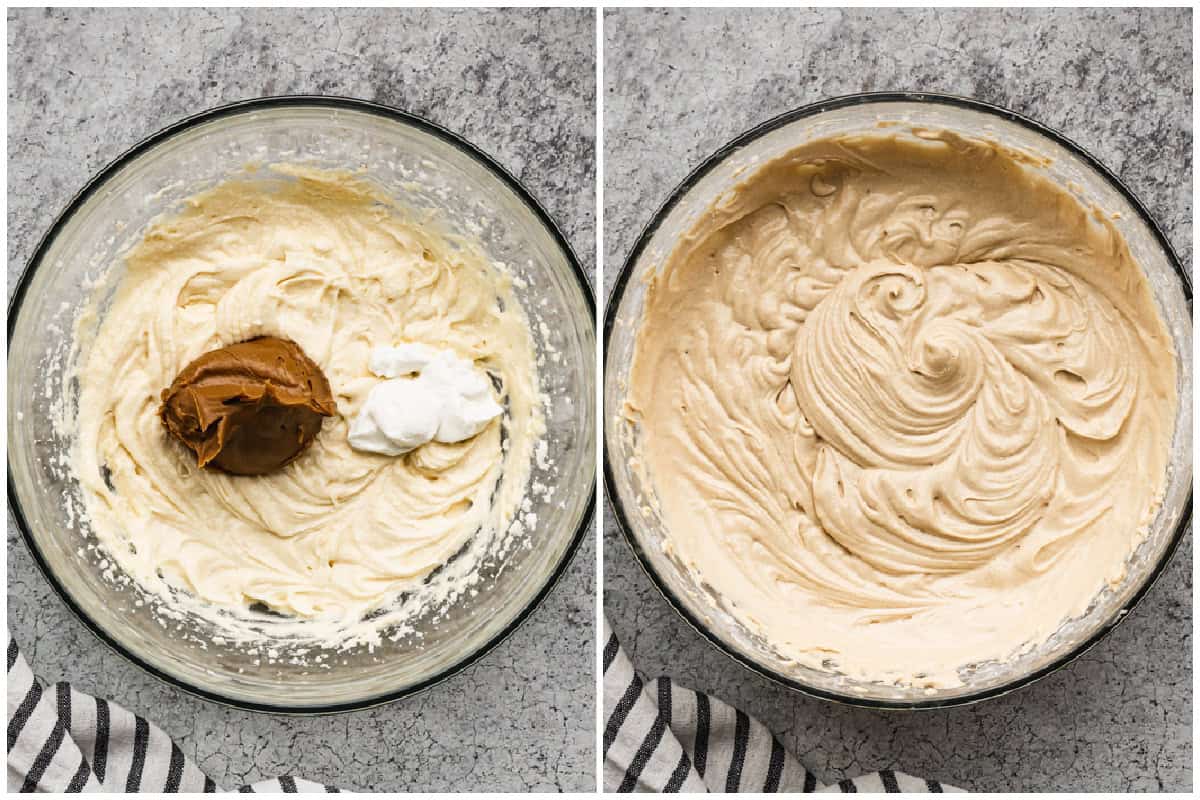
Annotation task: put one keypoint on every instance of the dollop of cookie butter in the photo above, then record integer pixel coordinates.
(249, 408)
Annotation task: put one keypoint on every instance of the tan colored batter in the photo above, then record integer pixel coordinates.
(906, 404)
(323, 260)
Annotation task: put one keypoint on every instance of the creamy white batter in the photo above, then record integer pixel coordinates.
(327, 261)
(906, 405)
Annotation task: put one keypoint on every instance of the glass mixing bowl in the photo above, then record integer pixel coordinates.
(631, 496)
(421, 165)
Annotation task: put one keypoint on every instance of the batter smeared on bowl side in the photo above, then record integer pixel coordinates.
(905, 403)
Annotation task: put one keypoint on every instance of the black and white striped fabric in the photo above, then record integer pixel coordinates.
(660, 737)
(61, 740)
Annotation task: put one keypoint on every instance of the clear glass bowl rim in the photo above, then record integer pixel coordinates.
(622, 516)
(332, 102)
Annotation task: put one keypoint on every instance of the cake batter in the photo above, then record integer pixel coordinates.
(906, 404)
(325, 261)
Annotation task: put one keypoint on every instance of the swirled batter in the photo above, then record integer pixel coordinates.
(326, 261)
(906, 404)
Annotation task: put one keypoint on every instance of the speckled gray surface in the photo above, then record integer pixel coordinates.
(85, 85)
(677, 86)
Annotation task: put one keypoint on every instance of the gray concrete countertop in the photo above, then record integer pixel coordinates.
(84, 85)
(677, 86)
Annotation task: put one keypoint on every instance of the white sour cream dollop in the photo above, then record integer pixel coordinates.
(431, 395)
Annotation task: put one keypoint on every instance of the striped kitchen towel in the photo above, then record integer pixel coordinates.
(62, 740)
(660, 737)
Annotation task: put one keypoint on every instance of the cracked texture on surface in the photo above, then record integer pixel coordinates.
(677, 86)
(83, 86)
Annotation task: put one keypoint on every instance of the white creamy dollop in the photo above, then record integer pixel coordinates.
(431, 395)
